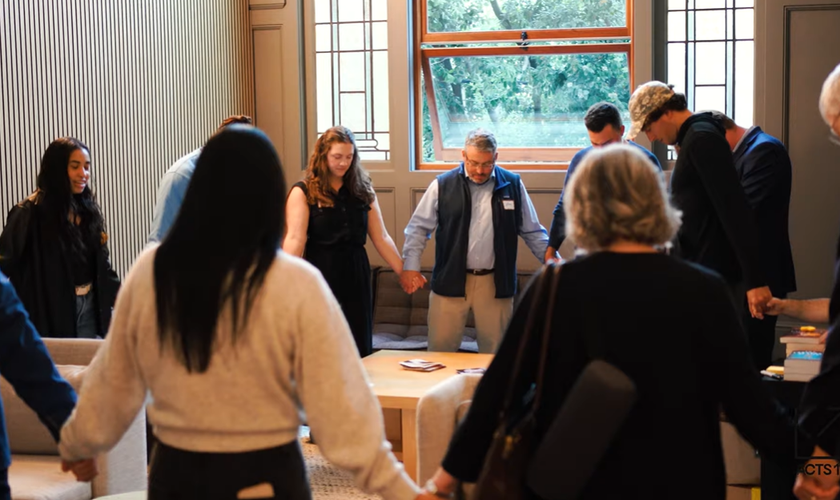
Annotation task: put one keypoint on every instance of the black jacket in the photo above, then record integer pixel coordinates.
(718, 230)
(763, 167)
(39, 270)
(819, 411)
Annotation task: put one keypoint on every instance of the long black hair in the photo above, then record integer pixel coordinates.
(224, 240)
(57, 202)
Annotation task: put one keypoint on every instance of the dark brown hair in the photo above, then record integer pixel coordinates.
(725, 121)
(317, 175)
(677, 102)
(599, 115)
(230, 120)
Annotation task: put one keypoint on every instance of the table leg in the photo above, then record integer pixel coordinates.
(409, 442)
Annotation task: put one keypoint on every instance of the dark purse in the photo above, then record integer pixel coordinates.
(503, 473)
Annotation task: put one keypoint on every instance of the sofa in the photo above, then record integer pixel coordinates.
(35, 473)
(399, 319)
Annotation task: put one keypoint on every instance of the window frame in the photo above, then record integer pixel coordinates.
(525, 158)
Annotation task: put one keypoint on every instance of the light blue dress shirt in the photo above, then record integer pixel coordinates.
(170, 195)
(480, 253)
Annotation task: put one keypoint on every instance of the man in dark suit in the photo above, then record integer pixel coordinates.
(764, 169)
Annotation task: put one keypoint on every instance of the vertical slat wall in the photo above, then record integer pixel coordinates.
(141, 83)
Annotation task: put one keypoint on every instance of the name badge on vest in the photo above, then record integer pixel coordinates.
(508, 204)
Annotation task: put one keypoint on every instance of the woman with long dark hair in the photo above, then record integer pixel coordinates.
(330, 215)
(53, 248)
(233, 338)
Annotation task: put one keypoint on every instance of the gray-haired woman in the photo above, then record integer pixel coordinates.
(669, 325)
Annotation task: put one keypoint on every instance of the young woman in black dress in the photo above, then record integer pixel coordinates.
(53, 248)
(329, 216)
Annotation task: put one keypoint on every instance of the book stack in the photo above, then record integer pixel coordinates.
(804, 348)
(802, 366)
(804, 338)
(421, 365)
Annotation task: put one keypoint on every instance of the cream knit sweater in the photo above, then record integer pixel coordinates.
(296, 354)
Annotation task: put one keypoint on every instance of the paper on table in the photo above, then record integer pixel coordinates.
(421, 365)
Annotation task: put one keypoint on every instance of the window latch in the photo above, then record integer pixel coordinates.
(524, 40)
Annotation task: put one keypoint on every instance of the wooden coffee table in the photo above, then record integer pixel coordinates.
(399, 389)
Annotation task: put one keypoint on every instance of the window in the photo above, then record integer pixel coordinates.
(711, 55)
(525, 69)
(351, 66)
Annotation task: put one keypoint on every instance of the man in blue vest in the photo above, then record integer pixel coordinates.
(26, 364)
(478, 209)
(603, 123)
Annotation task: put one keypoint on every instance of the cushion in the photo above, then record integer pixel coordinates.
(399, 319)
(40, 478)
(27, 435)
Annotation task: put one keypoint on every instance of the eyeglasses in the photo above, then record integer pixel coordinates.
(475, 164)
(833, 136)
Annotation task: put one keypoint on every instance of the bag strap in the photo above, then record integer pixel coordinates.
(522, 348)
(546, 334)
(547, 282)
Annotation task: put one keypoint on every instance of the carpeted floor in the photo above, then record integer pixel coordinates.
(328, 482)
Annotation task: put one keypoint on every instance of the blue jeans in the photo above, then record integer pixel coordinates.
(86, 316)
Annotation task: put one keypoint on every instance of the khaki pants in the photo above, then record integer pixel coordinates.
(448, 316)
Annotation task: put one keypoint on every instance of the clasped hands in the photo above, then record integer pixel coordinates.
(84, 470)
(411, 281)
(818, 479)
(758, 300)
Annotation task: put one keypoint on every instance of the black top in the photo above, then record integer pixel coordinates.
(344, 223)
(820, 408)
(671, 327)
(82, 267)
(718, 230)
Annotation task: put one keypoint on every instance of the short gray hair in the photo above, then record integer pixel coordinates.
(830, 97)
(618, 194)
(482, 140)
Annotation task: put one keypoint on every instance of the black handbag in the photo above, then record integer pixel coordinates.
(592, 413)
(503, 473)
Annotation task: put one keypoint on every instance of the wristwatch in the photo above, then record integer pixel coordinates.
(432, 488)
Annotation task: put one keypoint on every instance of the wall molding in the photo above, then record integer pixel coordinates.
(786, 39)
(142, 84)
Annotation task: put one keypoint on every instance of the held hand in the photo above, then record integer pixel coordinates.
(776, 307)
(551, 255)
(411, 281)
(443, 483)
(807, 488)
(84, 470)
(757, 299)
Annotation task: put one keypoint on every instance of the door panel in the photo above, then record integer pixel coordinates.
(797, 43)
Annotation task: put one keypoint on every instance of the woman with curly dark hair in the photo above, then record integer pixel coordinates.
(329, 216)
(53, 248)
